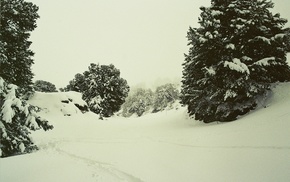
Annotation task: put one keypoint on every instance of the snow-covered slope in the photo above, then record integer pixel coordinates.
(166, 146)
(61, 103)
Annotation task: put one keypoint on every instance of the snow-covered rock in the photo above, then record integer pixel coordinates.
(65, 103)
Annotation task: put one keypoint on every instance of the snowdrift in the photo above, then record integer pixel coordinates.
(64, 103)
(166, 146)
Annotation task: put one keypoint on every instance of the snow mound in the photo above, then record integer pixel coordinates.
(65, 103)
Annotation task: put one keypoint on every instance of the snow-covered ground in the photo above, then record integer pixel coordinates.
(161, 147)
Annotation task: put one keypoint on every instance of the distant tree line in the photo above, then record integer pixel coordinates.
(141, 101)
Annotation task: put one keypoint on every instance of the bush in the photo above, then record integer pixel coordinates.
(44, 86)
(138, 102)
(165, 96)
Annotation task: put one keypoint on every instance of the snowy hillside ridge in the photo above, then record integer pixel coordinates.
(65, 103)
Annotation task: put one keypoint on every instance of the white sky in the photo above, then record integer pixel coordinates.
(145, 39)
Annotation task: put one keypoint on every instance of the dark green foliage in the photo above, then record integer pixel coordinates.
(288, 39)
(236, 53)
(17, 119)
(78, 84)
(44, 86)
(102, 87)
(18, 19)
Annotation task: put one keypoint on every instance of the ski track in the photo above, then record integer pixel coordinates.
(105, 169)
(227, 147)
(129, 141)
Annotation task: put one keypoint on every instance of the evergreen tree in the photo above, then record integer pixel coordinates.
(236, 53)
(44, 86)
(78, 84)
(102, 87)
(18, 19)
(17, 118)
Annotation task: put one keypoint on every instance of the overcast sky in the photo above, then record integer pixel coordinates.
(145, 39)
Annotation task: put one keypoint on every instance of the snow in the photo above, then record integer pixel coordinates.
(237, 65)
(11, 101)
(3, 131)
(242, 20)
(246, 58)
(209, 35)
(22, 147)
(240, 26)
(202, 40)
(230, 94)
(279, 36)
(230, 46)
(216, 13)
(31, 122)
(232, 5)
(166, 146)
(211, 71)
(266, 61)
(7, 112)
(1, 84)
(264, 39)
(15, 12)
(96, 101)
(63, 103)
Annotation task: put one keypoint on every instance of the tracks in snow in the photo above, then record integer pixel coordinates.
(107, 172)
(226, 147)
(101, 171)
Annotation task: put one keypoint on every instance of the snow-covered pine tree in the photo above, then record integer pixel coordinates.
(236, 53)
(17, 118)
(103, 89)
(78, 84)
(18, 19)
